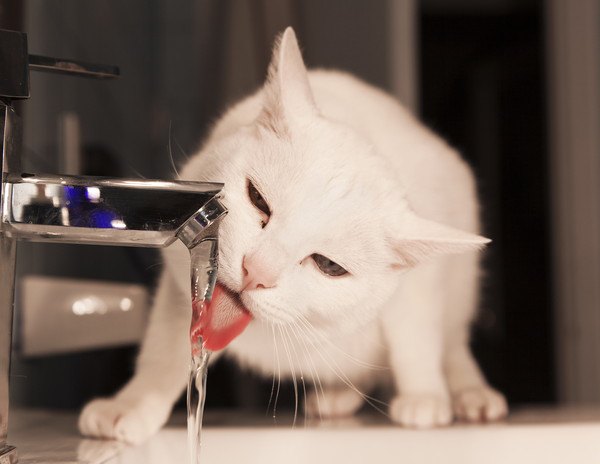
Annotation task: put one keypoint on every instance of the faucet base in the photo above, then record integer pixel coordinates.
(8, 455)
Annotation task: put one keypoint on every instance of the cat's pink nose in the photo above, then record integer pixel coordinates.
(257, 274)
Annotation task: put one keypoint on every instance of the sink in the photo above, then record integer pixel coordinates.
(548, 435)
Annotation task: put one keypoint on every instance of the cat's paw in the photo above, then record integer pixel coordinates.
(479, 404)
(330, 404)
(128, 421)
(421, 410)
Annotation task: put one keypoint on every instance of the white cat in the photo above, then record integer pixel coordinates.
(350, 239)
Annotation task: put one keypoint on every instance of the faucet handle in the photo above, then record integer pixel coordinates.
(15, 63)
(72, 67)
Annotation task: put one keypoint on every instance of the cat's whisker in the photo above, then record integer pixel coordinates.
(274, 371)
(171, 154)
(289, 329)
(331, 363)
(278, 372)
(295, 375)
(340, 374)
(353, 359)
(279, 310)
(316, 380)
(181, 150)
(313, 370)
(295, 383)
(136, 172)
(309, 328)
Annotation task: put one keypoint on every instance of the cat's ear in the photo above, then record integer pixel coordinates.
(417, 240)
(287, 90)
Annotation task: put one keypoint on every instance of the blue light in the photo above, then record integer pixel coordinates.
(101, 219)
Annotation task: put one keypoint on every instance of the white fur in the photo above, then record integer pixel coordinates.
(350, 174)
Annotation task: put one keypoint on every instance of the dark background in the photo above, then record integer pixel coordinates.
(481, 85)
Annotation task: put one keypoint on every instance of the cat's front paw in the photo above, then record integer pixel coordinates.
(331, 404)
(131, 421)
(479, 404)
(421, 410)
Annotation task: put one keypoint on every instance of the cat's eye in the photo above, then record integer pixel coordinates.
(328, 266)
(258, 201)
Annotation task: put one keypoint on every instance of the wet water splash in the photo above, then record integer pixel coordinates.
(204, 258)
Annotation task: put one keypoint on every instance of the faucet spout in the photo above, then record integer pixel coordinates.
(106, 211)
(201, 225)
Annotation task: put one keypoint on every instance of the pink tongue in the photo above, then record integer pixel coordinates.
(219, 321)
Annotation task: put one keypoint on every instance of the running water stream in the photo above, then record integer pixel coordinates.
(204, 257)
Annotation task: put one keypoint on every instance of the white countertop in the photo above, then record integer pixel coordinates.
(540, 435)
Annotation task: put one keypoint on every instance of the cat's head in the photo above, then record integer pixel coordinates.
(318, 228)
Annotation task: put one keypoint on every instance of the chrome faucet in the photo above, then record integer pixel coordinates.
(78, 209)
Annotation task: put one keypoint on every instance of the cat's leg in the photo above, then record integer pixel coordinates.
(144, 404)
(412, 326)
(472, 398)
